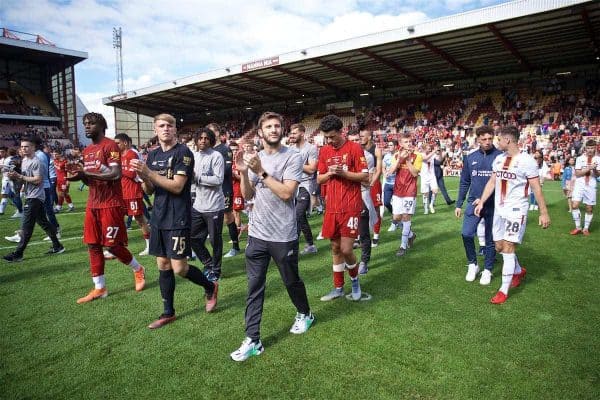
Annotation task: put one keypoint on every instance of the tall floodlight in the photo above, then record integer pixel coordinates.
(118, 45)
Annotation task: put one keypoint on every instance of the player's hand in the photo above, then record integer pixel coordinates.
(240, 165)
(544, 220)
(140, 168)
(253, 163)
(477, 210)
(13, 175)
(458, 212)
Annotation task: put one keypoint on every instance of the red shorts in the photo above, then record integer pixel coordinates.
(336, 225)
(134, 206)
(62, 186)
(238, 202)
(376, 194)
(104, 226)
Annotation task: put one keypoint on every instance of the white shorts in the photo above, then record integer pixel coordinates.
(511, 229)
(403, 205)
(584, 193)
(8, 186)
(429, 185)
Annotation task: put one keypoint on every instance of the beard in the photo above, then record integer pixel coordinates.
(273, 142)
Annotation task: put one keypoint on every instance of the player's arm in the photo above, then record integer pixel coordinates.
(284, 190)
(310, 167)
(152, 179)
(378, 167)
(126, 169)
(362, 177)
(414, 167)
(487, 192)
(36, 179)
(536, 187)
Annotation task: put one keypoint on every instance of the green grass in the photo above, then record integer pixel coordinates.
(426, 333)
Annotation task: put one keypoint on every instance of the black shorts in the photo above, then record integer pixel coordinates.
(174, 244)
(228, 201)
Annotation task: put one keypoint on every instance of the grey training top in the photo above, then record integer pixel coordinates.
(308, 152)
(273, 219)
(209, 169)
(32, 167)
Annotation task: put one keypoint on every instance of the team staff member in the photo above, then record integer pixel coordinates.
(207, 210)
(103, 224)
(271, 178)
(168, 174)
(343, 167)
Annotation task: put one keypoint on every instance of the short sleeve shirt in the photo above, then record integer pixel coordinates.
(512, 183)
(132, 188)
(103, 194)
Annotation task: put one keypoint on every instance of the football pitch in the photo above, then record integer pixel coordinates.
(426, 333)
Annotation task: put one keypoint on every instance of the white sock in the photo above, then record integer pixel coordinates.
(587, 220)
(3, 204)
(134, 264)
(425, 201)
(147, 243)
(99, 281)
(517, 266)
(58, 208)
(508, 270)
(481, 233)
(376, 236)
(405, 234)
(577, 218)
(432, 199)
(71, 205)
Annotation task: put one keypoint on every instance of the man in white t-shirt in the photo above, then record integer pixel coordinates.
(513, 173)
(587, 169)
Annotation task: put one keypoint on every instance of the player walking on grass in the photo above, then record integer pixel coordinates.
(33, 210)
(103, 224)
(168, 173)
(587, 169)
(271, 178)
(342, 167)
(513, 174)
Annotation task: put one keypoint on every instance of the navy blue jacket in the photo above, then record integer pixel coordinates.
(476, 172)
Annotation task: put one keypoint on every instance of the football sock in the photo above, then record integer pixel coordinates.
(196, 276)
(405, 234)
(234, 235)
(432, 202)
(99, 282)
(134, 264)
(517, 266)
(61, 200)
(96, 260)
(425, 201)
(3, 204)
(338, 275)
(352, 270)
(69, 200)
(587, 220)
(481, 233)
(377, 226)
(508, 269)
(121, 253)
(166, 281)
(577, 218)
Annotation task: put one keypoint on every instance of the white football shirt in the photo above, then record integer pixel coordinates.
(512, 183)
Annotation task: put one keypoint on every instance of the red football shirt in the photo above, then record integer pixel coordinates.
(103, 194)
(343, 195)
(405, 184)
(132, 189)
(60, 166)
(237, 190)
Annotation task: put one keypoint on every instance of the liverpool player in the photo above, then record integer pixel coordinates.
(367, 143)
(103, 224)
(131, 185)
(513, 174)
(62, 184)
(342, 166)
(587, 169)
(168, 173)
(406, 165)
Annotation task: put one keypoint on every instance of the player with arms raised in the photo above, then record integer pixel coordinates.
(587, 169)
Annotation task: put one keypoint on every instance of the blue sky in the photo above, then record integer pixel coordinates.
(165, 40)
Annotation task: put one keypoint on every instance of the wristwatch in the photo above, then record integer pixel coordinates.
(264, 175)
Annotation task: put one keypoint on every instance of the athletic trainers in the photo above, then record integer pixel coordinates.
(363, 268)
(334, 294)
(486, 277)
(517, 278)
(13, 257)
(302, 323)
(144, 252)
(232, 253)
(472, 271)
(586, 232)
(499, 298)
(356, 292)
(431, 209)
(411, 240)
(93, 295)
(401, 251)
(108, 255)
(140, 279)
(71, 208)
(162, 321)
(312, 249)
(16, 215)
(374, 242)
(16, 238)
(392, 227)
(211, 276)
(56, 250)
(248, 349)
(575, 231)
(211, 301)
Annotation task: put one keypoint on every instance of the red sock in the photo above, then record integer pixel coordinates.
(353, 272)
(61, 200)
(68, 198)
(96, 260)
(146, 235)
(377, 226)
(122, 254)
(338, 279)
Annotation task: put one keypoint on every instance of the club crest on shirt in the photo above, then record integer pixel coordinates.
(187, 160)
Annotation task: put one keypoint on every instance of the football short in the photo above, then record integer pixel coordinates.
(134, 206)
(174, 244)
(403, 205)
(238, 201)
(228, 201)
(104, 226)
(376, 191)
(8, 186)
(429, 184)
(63, 185)
(336, 225)
(585, 194)
(511, 229)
